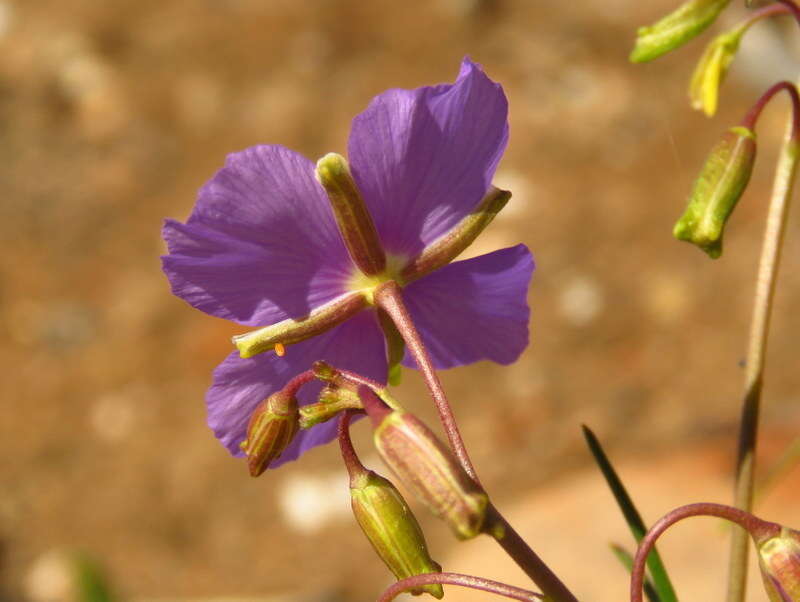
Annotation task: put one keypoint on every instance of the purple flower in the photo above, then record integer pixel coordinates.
(262, 246)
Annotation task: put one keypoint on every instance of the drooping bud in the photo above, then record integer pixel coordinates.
(717, 190)
(392, 529)
(427, 467)
(711, 70)
(675, 29)
(351, 213)
(445, 249)
(779, 558)
(331, 401)
(291, 331)
(272, 427)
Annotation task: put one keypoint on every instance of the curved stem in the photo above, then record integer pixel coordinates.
(294, 385)
(486, 585)
(757, 341)
(351, 461)
(389, 298)
(754, 113)
(781, 7)
(512, 543)
(748, 523)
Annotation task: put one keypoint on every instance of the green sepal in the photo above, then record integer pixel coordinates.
(717, 190)
(351, 214)
(675, 29)
(392, 529)
(395, 348)
(332, 400)
(661, 581)
(287, 332)
(446, 248)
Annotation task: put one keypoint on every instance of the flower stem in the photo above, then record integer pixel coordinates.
(486, 585)
(351, 461)
(746, 522)
(498, 527)
(759, 329)
(389, 298)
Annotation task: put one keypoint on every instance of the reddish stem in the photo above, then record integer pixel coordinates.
(754, 113)
(389, 298)
(351, 461)
(758, 529)
(486, 585)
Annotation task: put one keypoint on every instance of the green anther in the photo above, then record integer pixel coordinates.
(675, 29)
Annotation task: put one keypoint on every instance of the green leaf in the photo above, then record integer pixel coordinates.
(661, 582)
(90, 580)
(626, 559)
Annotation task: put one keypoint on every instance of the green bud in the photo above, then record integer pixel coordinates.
(331, 401)
(427, 467)
(711, 70)
(717, 190)
(674, 30)
(290, 331)
(272, 427)
(779, 558)
(351, 213)
(392, 529)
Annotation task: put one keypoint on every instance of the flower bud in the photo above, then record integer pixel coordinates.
(427, 467)
(779, 558)
(272, 427)
(331, 401)
(717, 190)
(351, 213)
(712, 69)
(392, 529)
(675, 29)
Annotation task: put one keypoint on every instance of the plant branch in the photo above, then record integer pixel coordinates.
(755, 526)
(486, 585)
(389, 298)
(757, 341)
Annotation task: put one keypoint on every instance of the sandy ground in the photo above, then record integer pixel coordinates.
(112, 115)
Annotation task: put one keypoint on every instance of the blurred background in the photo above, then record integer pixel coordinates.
(112, 114)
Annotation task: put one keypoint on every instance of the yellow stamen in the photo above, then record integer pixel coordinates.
(280, 350)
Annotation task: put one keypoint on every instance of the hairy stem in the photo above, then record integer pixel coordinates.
(498, 527)
(746, 522)
(757, 341)
(486, 585)
(389, 298)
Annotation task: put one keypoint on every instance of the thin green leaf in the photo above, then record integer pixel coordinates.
(661, 580)
(90, 580)
(626, 559)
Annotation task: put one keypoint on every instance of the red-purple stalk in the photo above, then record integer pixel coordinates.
(486, 585)
(758, 528)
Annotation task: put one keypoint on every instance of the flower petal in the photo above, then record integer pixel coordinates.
(474, 310)
(240, 384)
(261, 244)
(424, 158)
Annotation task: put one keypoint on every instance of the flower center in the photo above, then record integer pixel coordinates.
(366, 285)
